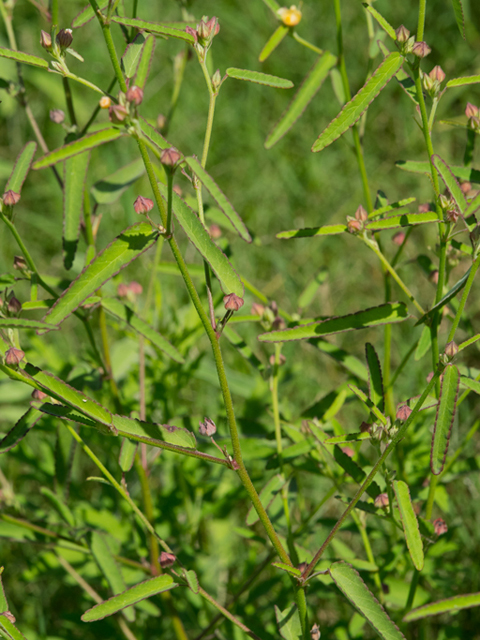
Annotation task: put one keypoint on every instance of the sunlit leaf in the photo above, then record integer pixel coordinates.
(410, 523)
(288, 568)
(21, 168)
(12, 633)
(145, 62)
(87, 14)
(131, 55)
(386, 26)
(192, 581)
(272, 43)
(444, 419)
(20, 430)
(75, 175)
(375, 377)
(128, 451)
(23, 323)
(403, 220)
(153, 135)
(3, 599)
(25, 58)
(302, 98)
(466, 174)
(288, 622)
(461, 82)
(325, 230)
(458, 10)
(354, 109)
(259, 78)
(450, 605)
(457, 287)
(161, 29)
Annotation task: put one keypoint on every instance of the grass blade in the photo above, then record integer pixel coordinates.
(354, 588)
(388, 313)
(410, 523)
(20, 430)
(126, 247)
(127, 316)
(130, 596)
(259, 78)
(220, 198)
(75, 175)
(272, 43)
(354, 109)
(450, 605)
(446, 409)
(109, 189)
(24, 58)
(459, 17)
(450, 182)
(161, 29)
(199, 237)
(86, 143)
(21, 167)
(145, 62)
(375, 377)
(302, 98)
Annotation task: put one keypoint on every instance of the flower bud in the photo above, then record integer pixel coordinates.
(19, 263)
(381, 501)
(424, 207)
(398, 238)
(440, 526)
(451, 350)
(166, 559)
(278, 324)
(402, 34)
(290, 17)
(403, 412)
(122, 290)
(348, 451)
(258, 309)
(353, 225)
(315, 632)
(142, 205)
(64, 38)
(365, 427)
(117, 113)
(14, 306)
(437, 74)
(361, 214)
(428, 84)
(38, 395)
(433, 276)
(192, 32)
(13, 357)
(282, 359)
(135, 288)
(46, 40)
(105, 102)
(214, 231)
(170, 157)
(302, 566)
(471, 111)
(134, 94)
(421, 49)
(466, 187)
(10, 198)
(57, 116)
(216, 80)
(207, 428)
(233, 302)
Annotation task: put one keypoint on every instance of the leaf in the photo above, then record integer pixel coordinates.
(368, 403)
(388, 313)
(220, 198)
(288, 568)
(461, 82)
(470, 383)
(267, 495)
(424, 343)
(23, 323)
(90, 141)
(345, 438)
(410, 523)
(20, 430)
(450, 605)
(87, 14)
(386, 26)
(58, 505)
(473, 206)
(24, 58)
(21, 168)
(145, 62)
(75, 175)
(178, 436)
(403, 220)
(288, 621)
(466, 174)
(354, 109)
(353, 587)
(65, 445)
(458, 10)
(446, 408)
(11, 630)
(457, 287)
(3, 598)
(375, 377)
(305, 94)
(192, 580)
(131, 55)
(127, 316)
(273, 5)
(199, 237)
(109, 567)
(108, 190)
(130, 596)
(126, 247)
(128, 451)
(161, 29)
(153, 135)
(351, 363)
(325, 230)
(259, 78)
(272, 43)
(450, 182)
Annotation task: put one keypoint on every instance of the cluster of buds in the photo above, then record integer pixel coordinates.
(405, 41)
(290, 17)
(19, 263)
(433, 81)
(383, 432)
(127, 103)
(473, 114)
(203, 35)
(450, 209)
(357, 224)
(270, 318)
(62, 42)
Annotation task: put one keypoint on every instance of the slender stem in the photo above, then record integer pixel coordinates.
(421, 19)
(134, 15)
(306, 43)
(110, 46)
(69, 101)
(362, 528)
(106, 355)
(463, 301)
(97, 109)
(211, 114)
(54, 12)
(169, 202)
(431, 495)
(369, 479)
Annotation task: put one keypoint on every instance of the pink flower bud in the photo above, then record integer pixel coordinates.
(64, 38)
(142, 205)
(403, 412)
(451, 349)
(258, 309)
(135, 288)
(440, 526)
(281, 361)
(161, 121)
(466, 187)
(170, 157)
(207, 428)
(433, 277)
(354, 226)
(437, 74)
(402, 34)
(192, 32)
(381, 501)
(134, 94)
(233, 302)
(167, 559)
(315, 632)
(38, 395)
(424, 208)
(214, 231)
(10, 198)
(365, 427)
(19, 263)
(57, 116)
(471, 111)
(122, 290)
(421, 49)
(398, 238)
(348, 451)
(361, 214)
(13, 357)
(46, 40)
(117, 113)
(14, 306)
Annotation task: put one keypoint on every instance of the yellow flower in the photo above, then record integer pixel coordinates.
(105, 102)
(290, 17)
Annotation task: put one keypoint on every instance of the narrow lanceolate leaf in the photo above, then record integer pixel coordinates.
(473, 206)
(145, 62)
(109, 189)
(458, 10)
(272, 43)
(87, 14)
(302, 98)
(470, 383)
(410, 523)
(386, 26)
(388, 313)
(273, 6)
(131, 56)
(444, 419)
(239, 343)
(109, 567)
(354, 109)
(403, 220)
(450, 182)
(466, 174)
(130, 596)
(288, 622)
(326, 230)
(178, 436)
(21, 168)
(153, 135)
(128, 451)
(25, 58)
(128, 246)
(10, 630)
(354, 588)
(127, 316)
(288, 568)
(267, 495)
(20, 430)
(22, 323)
(58, 505)
(450, 605)
(154, 27)
(75, 174)
(460, 82)
(192, 581)
(368, 403)
(199, 237)
(457, 287)
(259, 78)
(3, 599)
(375, 377)
(79, 146)
(219, 197)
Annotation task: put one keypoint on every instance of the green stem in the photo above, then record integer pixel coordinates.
(69, 101)
(306, 43)
(105, 25)
(97, 109)
(421, 19)
(211, 113)
(54, 12)
(431, 495)
(466, 292)
(412, 590)
(169, 202)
